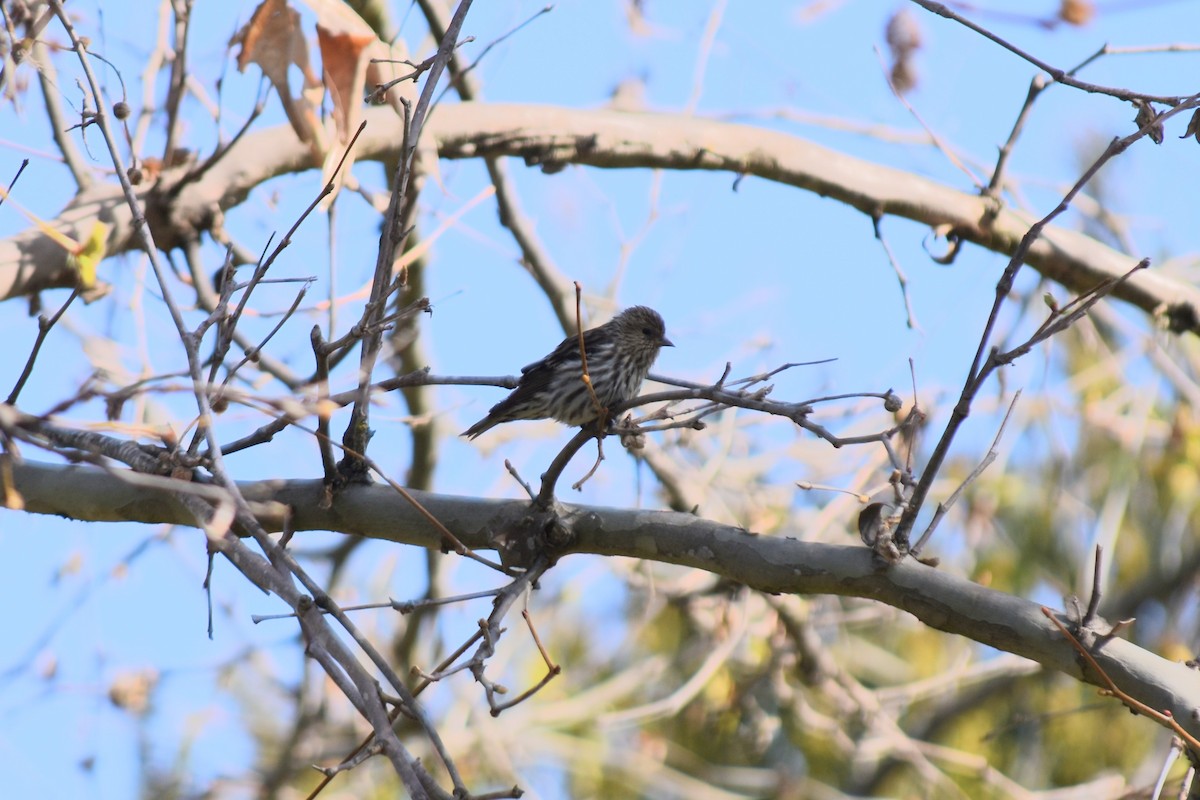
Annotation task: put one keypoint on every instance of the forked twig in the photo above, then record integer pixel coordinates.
(982, 366)
(1059, 75)
(578, 485)
(552, 670)
(987, 460)
(44, 326)
(1110, 687)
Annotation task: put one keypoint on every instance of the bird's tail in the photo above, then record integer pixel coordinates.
(485, 424)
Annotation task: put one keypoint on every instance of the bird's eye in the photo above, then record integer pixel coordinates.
(648, 331)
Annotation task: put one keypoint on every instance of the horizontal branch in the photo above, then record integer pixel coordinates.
(552, 137)
(775, 564)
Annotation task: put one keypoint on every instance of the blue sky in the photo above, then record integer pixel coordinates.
(757, 276)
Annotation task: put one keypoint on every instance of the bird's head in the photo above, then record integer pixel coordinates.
(642, 328)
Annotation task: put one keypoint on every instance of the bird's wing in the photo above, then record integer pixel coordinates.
(567, 349)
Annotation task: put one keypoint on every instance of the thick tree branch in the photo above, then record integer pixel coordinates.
(553, 137)
(767, 563)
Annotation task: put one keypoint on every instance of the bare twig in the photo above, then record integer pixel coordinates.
(552, 670)
(492, 631)
(1097, 590)
(13, 182)
(996, 184)
(944, 148)
(517, 477)
(460, 73)
(1164, 718)
(550, 477)
(324, 440)
(221, 151)
(178, 79)
(209, 299)
(48, 80)
(1058, 75)
(901, 278)
(254, 353)
(402, 606)
(417, 70)
(451, 540)
(984, 463)
(578, 485)
(44, 326)
(586, 377)
(703, 53)
(981, 370)
(401, 207)
(334, 655)
(534, 256)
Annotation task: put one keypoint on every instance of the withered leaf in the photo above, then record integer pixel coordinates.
(1193, 126)
(1146, 115)
(274, 40)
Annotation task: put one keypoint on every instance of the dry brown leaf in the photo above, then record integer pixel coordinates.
(344, 58)
(1193, 126)
(346, 43)
(274, 40)
(1148, 117)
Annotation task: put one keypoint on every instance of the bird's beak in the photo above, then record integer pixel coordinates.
(667, 342)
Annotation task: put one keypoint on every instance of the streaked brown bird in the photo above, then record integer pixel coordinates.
(619, 356)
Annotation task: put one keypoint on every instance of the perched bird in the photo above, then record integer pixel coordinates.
(619, 355)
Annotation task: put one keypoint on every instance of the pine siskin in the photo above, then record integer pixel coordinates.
(619, 355)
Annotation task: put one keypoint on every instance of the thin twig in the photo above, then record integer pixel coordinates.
(44, 326)
(460, 73)
(402, 606)
(48, 81)
(13, 182)
(534, 257)
(550, 477)
(254, 353)
(586, 377)
(452, 540)
(395, 713)
(222, 150)
(401, 206)
(552, 670)
(901, 278)
(944, 148)
(1036, 87)
(335, 656)
(517, 477)
(1059, 76)
(1097, 579)
(324, 440)
(492, 630)
(1133, 704)
(984, 463)
(978, 371)
(209, 299)
(578, 485)
(177, 81)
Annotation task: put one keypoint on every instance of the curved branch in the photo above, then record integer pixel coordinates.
(552, 137)
(773, 564)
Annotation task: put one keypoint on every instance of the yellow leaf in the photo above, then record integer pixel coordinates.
(84, 257)
(89, 255)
